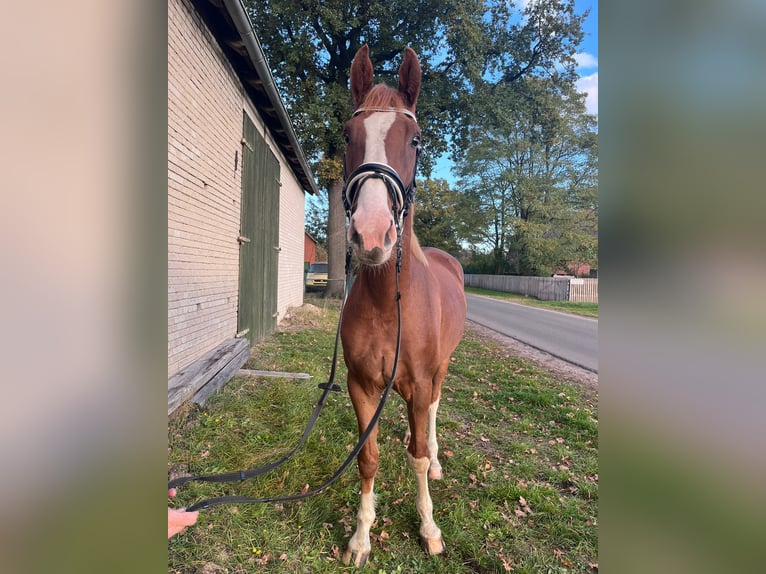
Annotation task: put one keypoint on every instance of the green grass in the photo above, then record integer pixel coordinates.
(586, 309)
(518, 447)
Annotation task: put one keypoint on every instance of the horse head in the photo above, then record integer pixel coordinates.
(382, 146)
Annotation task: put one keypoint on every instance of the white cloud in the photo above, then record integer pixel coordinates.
(585, 60)
(589, 85)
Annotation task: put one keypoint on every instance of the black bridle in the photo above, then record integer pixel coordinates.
(401, 198)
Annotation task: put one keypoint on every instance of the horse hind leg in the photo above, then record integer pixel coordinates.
(418, 457)
(407, 435)
(435, 468)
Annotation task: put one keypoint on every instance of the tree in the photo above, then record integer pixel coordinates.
(436, 216)
(310, 46)
(531, 174)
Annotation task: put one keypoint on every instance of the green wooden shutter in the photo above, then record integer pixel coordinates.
(259, 237)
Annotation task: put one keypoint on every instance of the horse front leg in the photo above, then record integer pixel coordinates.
(420, 461)
(358, 549)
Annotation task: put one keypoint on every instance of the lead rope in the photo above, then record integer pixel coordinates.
(328, 387)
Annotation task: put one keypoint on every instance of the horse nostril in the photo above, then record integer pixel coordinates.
(355, 237)
(387, 241)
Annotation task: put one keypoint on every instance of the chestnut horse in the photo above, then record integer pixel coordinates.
(382, 145)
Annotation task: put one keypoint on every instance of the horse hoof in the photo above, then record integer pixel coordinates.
(435, 472)
(358, 558)
(433, 546)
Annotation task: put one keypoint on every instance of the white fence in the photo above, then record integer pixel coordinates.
(543, 288)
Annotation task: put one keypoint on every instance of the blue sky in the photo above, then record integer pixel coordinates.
(587, 68)
(587, 57)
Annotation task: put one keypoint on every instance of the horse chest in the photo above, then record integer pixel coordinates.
(369, 344)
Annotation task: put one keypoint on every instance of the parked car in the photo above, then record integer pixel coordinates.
(316, 277)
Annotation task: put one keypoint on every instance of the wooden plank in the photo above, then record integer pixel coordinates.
(221, 377)
(278, 374)
(184, 384)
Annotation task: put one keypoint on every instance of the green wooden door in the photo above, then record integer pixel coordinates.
(259, 237)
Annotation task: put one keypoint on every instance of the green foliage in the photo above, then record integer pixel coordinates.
(436, 215)
(530, 175)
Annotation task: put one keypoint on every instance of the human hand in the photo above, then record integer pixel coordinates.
(179, 519)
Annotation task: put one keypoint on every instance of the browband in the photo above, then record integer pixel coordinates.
(407, 113)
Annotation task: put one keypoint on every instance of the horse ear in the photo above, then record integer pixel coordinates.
(361, 75)
(409, 77)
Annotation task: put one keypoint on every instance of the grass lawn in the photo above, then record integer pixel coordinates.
(519, 451)
(587, 309)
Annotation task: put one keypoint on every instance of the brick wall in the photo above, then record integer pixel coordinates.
(291, 230)
(205, 103)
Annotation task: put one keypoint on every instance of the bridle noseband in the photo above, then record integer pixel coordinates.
(401, 196)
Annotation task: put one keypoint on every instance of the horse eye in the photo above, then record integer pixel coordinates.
(346, 138)
(416, 141)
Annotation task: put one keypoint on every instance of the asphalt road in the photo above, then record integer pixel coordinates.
(569, 337)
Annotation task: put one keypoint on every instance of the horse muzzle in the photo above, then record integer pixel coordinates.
(372, 234)
(374, 197)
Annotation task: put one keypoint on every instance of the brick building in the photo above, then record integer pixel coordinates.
(237, 180)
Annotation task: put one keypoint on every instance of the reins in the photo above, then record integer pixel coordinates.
(401, 198)
(328, 387)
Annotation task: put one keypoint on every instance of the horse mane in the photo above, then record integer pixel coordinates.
(383, 96)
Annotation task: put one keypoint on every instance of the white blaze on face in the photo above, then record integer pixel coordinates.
(376, 127)
(372, 219)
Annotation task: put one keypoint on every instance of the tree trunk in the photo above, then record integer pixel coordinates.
(336, 241)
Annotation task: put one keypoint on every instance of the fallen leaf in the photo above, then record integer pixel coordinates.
(484, 439)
